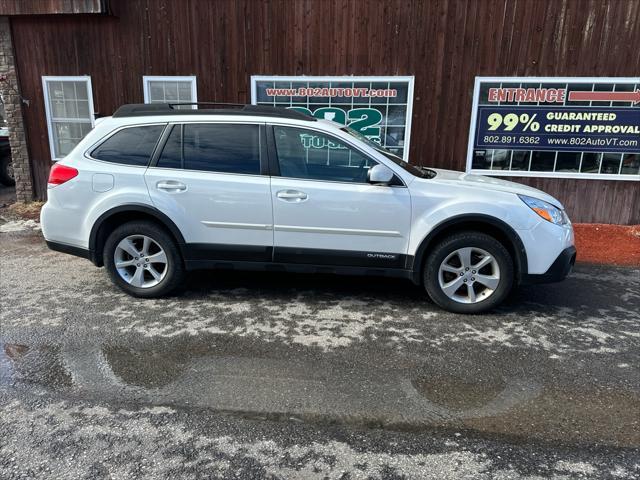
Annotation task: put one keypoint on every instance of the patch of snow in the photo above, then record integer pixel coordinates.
(19, 226)
(583, 468)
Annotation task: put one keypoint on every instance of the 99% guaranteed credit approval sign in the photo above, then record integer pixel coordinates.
(557, 119)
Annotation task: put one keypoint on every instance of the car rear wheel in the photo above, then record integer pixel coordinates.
(6, 169)
(143, 260)
(468, 272)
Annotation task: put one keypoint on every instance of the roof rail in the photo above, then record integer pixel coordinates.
(138, 109)
(224, 104)
(151, 109)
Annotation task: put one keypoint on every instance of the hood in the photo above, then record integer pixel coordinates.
(491, 183)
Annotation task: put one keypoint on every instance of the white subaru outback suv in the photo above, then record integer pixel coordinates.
(155, 191)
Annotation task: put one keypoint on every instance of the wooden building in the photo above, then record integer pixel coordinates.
(105, 53)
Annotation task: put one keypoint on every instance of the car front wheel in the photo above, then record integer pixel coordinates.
(468, 272)
(143, 260)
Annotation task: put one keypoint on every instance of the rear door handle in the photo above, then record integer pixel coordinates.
(171, 186)
(291, 195)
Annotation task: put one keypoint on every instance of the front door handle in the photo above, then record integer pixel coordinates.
(292, 195)
(171, 186)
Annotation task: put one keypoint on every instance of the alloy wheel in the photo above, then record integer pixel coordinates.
(140, 261)
(469, 275)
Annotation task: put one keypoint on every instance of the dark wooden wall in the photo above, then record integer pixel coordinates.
(444, 43)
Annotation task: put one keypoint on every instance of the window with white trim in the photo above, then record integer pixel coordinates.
(170, 90)
(69, 110)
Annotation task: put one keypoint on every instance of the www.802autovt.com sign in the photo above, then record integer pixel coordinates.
(377, 107)
(566, 127)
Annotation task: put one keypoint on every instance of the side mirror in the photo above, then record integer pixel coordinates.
(379, 175)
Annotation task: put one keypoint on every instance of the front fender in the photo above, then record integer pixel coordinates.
(474, 220)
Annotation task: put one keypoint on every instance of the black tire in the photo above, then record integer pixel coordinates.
(6, 168)
(457, 241)
(175, 271)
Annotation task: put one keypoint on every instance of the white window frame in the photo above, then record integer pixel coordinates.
(410, 80)
(45, 80)
(524, 173)
(159, 78)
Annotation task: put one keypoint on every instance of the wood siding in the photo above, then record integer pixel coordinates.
(444, 43)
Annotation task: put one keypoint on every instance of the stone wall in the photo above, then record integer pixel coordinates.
(9, 90)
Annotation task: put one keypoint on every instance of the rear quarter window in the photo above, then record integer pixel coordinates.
(129, 146)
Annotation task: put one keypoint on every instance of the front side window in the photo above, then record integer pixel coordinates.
(129, 146)
(210, 147)
(314, 155)
(69, 110)
(170, 90)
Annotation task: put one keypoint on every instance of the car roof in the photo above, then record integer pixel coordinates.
(164, 109)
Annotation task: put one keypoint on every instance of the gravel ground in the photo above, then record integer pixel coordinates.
(259, 375)
(54, 438)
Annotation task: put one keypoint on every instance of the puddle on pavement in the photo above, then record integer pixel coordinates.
(504, 405)
(41, 365)
(148, 368)
(610, 416)
(459, 394)
(54, 368)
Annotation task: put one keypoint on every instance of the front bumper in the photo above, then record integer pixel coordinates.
(558, 270)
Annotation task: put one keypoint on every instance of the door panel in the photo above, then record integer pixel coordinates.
(351, 224)
(214, 208)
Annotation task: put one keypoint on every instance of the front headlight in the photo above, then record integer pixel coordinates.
(547, 211)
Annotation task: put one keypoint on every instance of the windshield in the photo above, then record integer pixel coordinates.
(412, 169)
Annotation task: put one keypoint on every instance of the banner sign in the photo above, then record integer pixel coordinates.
(583, 128)
(377, 107)
(568, 129)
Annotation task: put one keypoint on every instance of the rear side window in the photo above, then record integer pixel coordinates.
(171, 156)
(129, 146)
(227, 148)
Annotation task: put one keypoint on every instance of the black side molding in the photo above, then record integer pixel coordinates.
(235, 265)
(70, 249)
(202, 255)
(212, 252)
(343, 258)
(558, 270)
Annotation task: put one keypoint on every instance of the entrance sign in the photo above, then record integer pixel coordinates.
(378, 107)
(556, 127)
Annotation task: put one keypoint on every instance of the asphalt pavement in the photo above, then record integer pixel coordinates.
(246, 375)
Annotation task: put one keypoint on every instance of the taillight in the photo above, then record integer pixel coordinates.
(60, 174)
